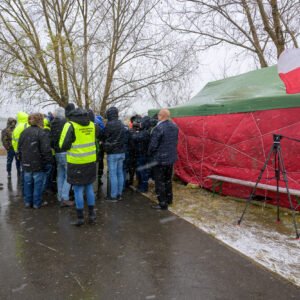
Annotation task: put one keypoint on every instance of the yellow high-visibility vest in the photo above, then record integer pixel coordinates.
(16, 135)
(83, 150)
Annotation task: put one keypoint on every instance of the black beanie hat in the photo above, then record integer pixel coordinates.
(69, 108)
(91, 115)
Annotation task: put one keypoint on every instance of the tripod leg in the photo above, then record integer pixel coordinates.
(285, 179)
(257, 181)
(277, 176)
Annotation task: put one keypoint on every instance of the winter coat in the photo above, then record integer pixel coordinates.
(163, 143)
(34, 148)
(56, 126)
(114, 133)
(79, 174)
(6, 135)
(139, 142)
(22, 123)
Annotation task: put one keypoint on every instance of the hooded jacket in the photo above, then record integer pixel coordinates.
(22, 124)
(6, 135)
(34, 147)
(114, 134)
(69, 109)
(56, 126)
(78, 174)
(139, 139)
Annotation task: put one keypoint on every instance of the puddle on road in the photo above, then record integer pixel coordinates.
(259, 237)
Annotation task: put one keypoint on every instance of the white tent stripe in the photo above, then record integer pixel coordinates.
(288, 61)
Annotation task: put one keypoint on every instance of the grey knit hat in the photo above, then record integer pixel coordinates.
(59, 113)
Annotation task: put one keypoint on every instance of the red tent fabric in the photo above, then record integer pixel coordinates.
(236, 145)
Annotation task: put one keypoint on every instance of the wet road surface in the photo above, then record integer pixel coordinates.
(133, 252)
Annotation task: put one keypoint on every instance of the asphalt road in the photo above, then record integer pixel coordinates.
(133, 252)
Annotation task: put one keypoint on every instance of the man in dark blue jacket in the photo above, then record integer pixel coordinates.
(163, 150)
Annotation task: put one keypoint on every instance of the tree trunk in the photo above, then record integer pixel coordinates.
(256, 42)
(280, 45)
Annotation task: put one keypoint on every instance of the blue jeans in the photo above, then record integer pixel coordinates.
(142, 173)
(63, 187)
(90, 195)
(116, 173)
(11, 155)
(33, 188)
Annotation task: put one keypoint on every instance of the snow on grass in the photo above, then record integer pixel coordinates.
(259, 237)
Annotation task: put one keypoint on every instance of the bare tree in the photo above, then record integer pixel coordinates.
(95, 53)
(142, 52)
(256, 27)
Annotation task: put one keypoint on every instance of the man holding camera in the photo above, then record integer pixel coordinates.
(163, 149)
(139, 140)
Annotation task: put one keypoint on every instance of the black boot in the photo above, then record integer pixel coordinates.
(80, 218)
(92, 215)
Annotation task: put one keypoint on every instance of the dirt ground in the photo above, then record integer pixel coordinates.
(259, 237)
(2, 151)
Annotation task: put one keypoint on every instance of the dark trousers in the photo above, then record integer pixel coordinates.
(11, 155)
(101, 164)
(163, 184)
(142, 173)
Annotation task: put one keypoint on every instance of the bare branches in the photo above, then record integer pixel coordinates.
(264, 28)
(94, 53)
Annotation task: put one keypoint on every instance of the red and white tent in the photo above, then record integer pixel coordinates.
(289, 70)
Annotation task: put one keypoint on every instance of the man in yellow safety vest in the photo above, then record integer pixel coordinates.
(78, 139)
(22, 124)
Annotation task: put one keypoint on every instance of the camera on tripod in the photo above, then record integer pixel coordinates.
(277, 138)
(279, 169)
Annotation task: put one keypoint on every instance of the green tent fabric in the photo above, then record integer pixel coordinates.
(256, 90)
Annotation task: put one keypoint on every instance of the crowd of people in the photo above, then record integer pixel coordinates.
(64, 151)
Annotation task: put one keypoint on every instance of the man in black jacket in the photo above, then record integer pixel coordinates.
(35, 151)
(163, 150)
(139, 140)
(114, 139)
(63, 187)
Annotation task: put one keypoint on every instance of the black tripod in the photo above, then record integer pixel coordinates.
(279, 168)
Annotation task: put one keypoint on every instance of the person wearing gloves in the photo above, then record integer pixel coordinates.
(78, 139)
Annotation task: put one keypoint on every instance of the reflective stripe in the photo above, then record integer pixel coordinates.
(83, 146)
(81, 154)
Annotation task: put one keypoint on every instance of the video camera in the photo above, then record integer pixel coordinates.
(136, 122)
